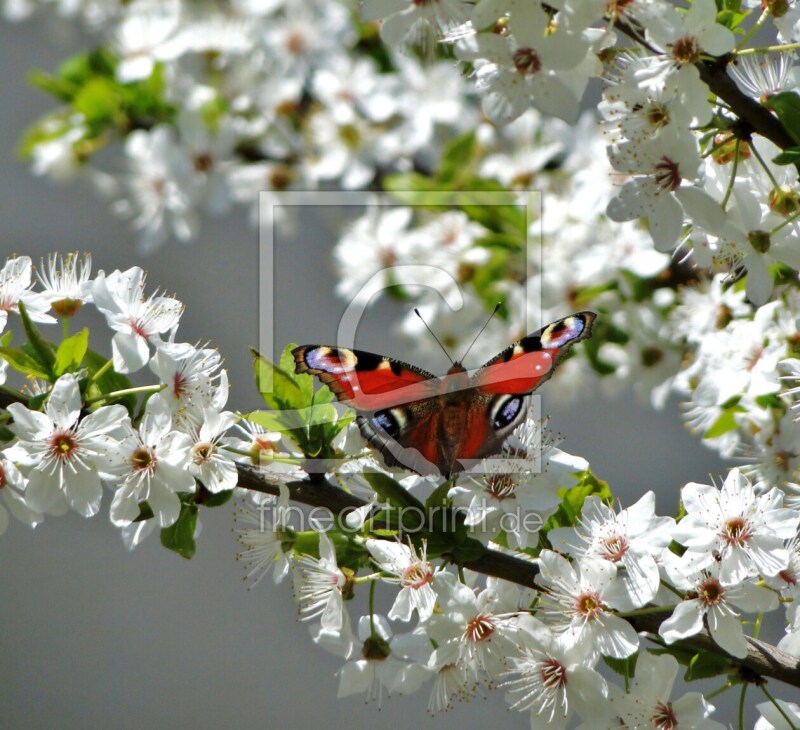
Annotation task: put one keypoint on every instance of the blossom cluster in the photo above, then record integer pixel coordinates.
(737, 557)
(235, 98)
(84, 433)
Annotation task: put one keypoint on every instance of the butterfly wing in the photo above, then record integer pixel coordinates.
(500, 386)
(525, 365)
(395, 401)
(362, 380)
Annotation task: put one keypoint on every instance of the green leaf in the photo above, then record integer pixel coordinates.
(278, 387)
(216, 499)
(99, 102)
(624, 667)
(45, 355)
(391, 491)
(457, 157)
(268, 420)
(438, 497)
(180, 537)
(725, 422)
(108, 382)
(790, 156)
(70, 352)
(787, 106)
(572, 499)
(770, 400)
(23, 363)
(468, 550)
(706, 666)
(61, 89)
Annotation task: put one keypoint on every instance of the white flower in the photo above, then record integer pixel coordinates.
(380, 666)
(12, 487)
(162, 188)
(742, 533)
(208, 462)
(194, 379)
(63, 454)
(554, 682)
(319, 586)
(15, 286)
(151, 464)
(659, 166)
(265, 539)
(630, 540)
(575, 606)
(66, 282)
(372, 243)
(412, 572)
(416, 23)
(712, 600)
(142, 36)
(739, 239)
(57, 157)
(517, 494)
(687, 36)
(484, 626)
(136, 319)
(647, 702)
(514, 71)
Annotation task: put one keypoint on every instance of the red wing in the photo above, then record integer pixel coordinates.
(524, 366)
(365, 381)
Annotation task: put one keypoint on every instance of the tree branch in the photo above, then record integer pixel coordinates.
(762, 660)
(753, 116)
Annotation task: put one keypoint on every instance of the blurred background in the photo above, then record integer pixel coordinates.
(95, 636)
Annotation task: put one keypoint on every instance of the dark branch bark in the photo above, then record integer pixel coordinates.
(754, 118)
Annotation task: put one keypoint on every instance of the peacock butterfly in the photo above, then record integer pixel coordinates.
(441, 425)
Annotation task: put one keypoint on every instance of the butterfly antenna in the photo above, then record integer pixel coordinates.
(438, 341)
(494, 311)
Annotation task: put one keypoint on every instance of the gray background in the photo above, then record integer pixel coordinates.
(94, 636)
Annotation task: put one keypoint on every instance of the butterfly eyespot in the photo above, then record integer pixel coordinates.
(388, 422)
(505, 411)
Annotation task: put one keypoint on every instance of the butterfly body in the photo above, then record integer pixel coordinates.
(440, 425)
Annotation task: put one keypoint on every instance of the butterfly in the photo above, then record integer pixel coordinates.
(435, 425)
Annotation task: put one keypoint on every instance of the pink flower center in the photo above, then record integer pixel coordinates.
(711, 592)
(787, 574)
(686, 50)
(663, 717)
(667, 174)
(500, 486)
(63, 445)
(144, 459)
(526, 61)
(480, 628)
(615, 547)
(178, 385)
(553, 674)
(589, 605)
(737, 531)
(417, 575)
(3, 477)
(138, 329)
